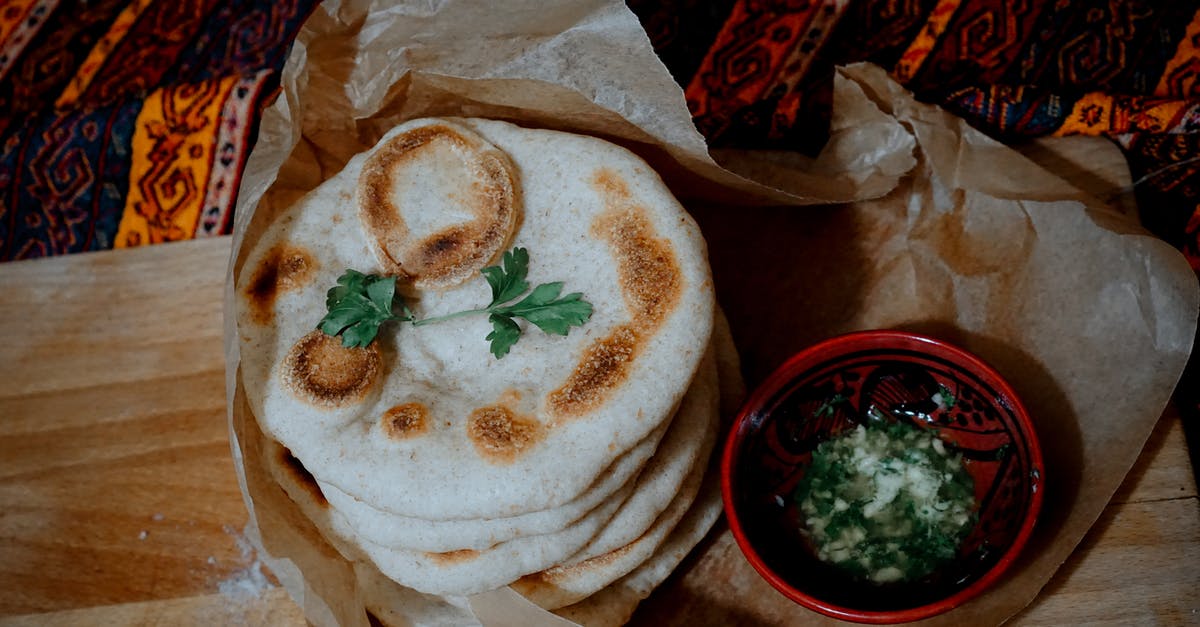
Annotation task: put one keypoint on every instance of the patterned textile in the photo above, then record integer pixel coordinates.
(126, 122)
(758, 73)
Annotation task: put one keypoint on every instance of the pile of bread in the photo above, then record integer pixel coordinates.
(572, 469)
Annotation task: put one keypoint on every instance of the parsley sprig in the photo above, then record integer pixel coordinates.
(361, 303)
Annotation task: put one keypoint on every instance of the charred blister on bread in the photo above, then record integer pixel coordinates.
(452, 253)
(605, 364)
(650, 279)
(284, 268)
(404, 421)
(502, 436)
(651, 284)
(324, 373)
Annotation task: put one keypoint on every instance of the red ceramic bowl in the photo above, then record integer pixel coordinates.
(773, 438)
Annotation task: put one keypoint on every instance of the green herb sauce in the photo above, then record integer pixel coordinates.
(887, 503)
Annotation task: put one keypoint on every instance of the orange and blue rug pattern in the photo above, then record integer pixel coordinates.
(128, 122)
(758, 73)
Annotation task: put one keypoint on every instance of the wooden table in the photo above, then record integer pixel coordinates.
(120, 504)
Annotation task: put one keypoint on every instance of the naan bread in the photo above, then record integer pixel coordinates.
(480, 438)
(669, 481)
(614, 604)
(603, 562)
(466, 571)
(387, 529)
(656, 485)
(569, 583)
(334, 583)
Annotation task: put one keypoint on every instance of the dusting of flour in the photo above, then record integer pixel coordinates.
(249, 583)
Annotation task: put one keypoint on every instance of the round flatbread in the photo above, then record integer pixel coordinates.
(390, 530)
(668, 481)
(572, 582)
(612, 555)
(466, 571)
(670, 458)
(614, 604)
(481, 438)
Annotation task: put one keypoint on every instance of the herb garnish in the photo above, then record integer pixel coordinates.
(944, 397)
(361, 303)
(358, 305)
(827, 407)
(886, 502)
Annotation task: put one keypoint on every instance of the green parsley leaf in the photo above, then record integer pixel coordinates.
(508, 281)
(358, 305)
(542, 307)
(351, 282)
(504, 334)
(548, 312)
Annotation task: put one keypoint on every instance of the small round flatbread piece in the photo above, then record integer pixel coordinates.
(423, 224)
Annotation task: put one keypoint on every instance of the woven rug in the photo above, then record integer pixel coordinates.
(127, 123)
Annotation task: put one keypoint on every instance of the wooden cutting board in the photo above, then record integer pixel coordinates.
(119, 504)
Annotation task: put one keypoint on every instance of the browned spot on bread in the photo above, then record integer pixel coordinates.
(283, 268)
(406, 421)
(302, 477)
(649, 275)
(555, 575)
(501, 436)
(453, 557)
(531, 583)
(651, 284)
(442, 247)
(605, 364)
(449, 256)
(321, 371)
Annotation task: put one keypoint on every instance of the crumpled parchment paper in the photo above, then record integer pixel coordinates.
(939, 230)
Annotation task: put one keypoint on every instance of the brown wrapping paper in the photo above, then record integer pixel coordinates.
(947, 232)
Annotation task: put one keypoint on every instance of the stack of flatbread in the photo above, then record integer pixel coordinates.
(575, 468)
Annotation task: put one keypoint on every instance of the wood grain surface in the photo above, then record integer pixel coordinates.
(120, 504)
